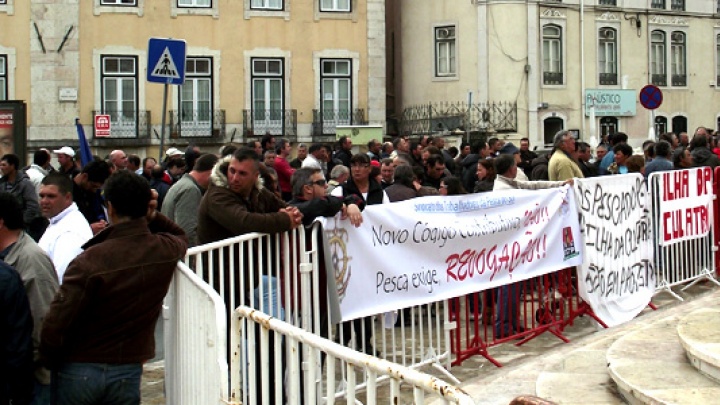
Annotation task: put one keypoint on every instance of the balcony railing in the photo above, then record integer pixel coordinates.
(276, 122)
(325, 121)
(679, 80)
(659, 80)
(677, 5)
(658, 4)
(447, 116)
(607, 79)
(552, 78)
(127, 124)
(197, 124)
(607, 2)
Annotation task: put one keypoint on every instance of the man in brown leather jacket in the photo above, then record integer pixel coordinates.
(99, 329)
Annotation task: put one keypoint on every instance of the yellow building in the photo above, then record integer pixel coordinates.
(562, 64)
(293, 68)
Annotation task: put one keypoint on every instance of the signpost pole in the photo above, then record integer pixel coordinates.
(162, 128)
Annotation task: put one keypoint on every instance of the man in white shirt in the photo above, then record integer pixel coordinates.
(68, 230)
(316, 155)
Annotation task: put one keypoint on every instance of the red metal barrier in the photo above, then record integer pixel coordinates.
(716, 218)
(515, 313)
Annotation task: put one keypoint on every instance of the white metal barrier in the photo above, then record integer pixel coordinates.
(291, 285)
(687, 261)
(196, 368)
(306, 382)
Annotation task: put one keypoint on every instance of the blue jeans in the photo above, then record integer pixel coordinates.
(97, 383)
(506, 321)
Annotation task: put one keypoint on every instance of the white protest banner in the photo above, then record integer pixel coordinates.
(617, 277)
(432, 248)
(685, 203)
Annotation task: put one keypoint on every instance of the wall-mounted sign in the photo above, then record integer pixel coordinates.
(614, 103)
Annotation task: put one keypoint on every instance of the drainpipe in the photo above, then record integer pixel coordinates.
(582, 68)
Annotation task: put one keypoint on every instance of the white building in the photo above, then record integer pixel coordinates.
(568, 64)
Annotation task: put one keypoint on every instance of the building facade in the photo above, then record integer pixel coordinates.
(293, 68)
(563, 64)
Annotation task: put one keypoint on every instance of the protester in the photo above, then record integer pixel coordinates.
(16, 326)
(68, 230)
(17, 183)
(236, 203)
(183, 199)
(101, 323)
(506, 321)
(38, 275)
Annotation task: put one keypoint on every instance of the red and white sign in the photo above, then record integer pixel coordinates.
(102, 125)
(685, 204)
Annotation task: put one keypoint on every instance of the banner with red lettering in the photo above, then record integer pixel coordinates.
(617, 277)
(685, 202)
(432, 248)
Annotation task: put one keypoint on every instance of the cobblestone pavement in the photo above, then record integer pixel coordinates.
(508, 354)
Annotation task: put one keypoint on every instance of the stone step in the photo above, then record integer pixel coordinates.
(699, 334)
(649, 366)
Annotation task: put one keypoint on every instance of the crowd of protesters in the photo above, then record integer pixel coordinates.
(93, 247)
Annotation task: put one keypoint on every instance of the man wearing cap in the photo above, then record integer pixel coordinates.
(65, 158)
(173, 152)
(510, 149)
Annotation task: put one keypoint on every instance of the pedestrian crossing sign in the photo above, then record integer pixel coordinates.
(166, 61)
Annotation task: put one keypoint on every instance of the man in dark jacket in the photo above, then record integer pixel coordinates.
(478, 151)
(16, 326)
(101, 323)
(17, 183)
(701, 154)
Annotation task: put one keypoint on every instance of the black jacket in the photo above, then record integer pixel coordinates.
(16, 326)
(375, 191)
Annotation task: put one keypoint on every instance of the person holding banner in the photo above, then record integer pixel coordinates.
(360, 183)
(507, 312)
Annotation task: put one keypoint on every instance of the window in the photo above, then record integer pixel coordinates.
(118, 2)
(677, 59)
(3, 78)
(336, 91)
(196, 107)
(194, 3)
(679, 124)
(119, 83)
(266, 4)
(717, 60)
(551, 126)
(608, 125)
(657, 58)
(607, 2)
(657, 4)
(677, 5)
(445, 60)
(267, 94)
(552, 55)
(3, 1)
(661, 125)
(335, 5)
(607, 56)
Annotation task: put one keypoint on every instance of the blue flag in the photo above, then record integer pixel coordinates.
(85, 153)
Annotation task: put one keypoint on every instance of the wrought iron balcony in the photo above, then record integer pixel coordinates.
(677, 5)
(552, 78)
(197, 124)
(608, 79)
(607, 2)
(679, 80)
(276, 122)
(325, 121)
(447, 116)
(127, 124)
(659, 80)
